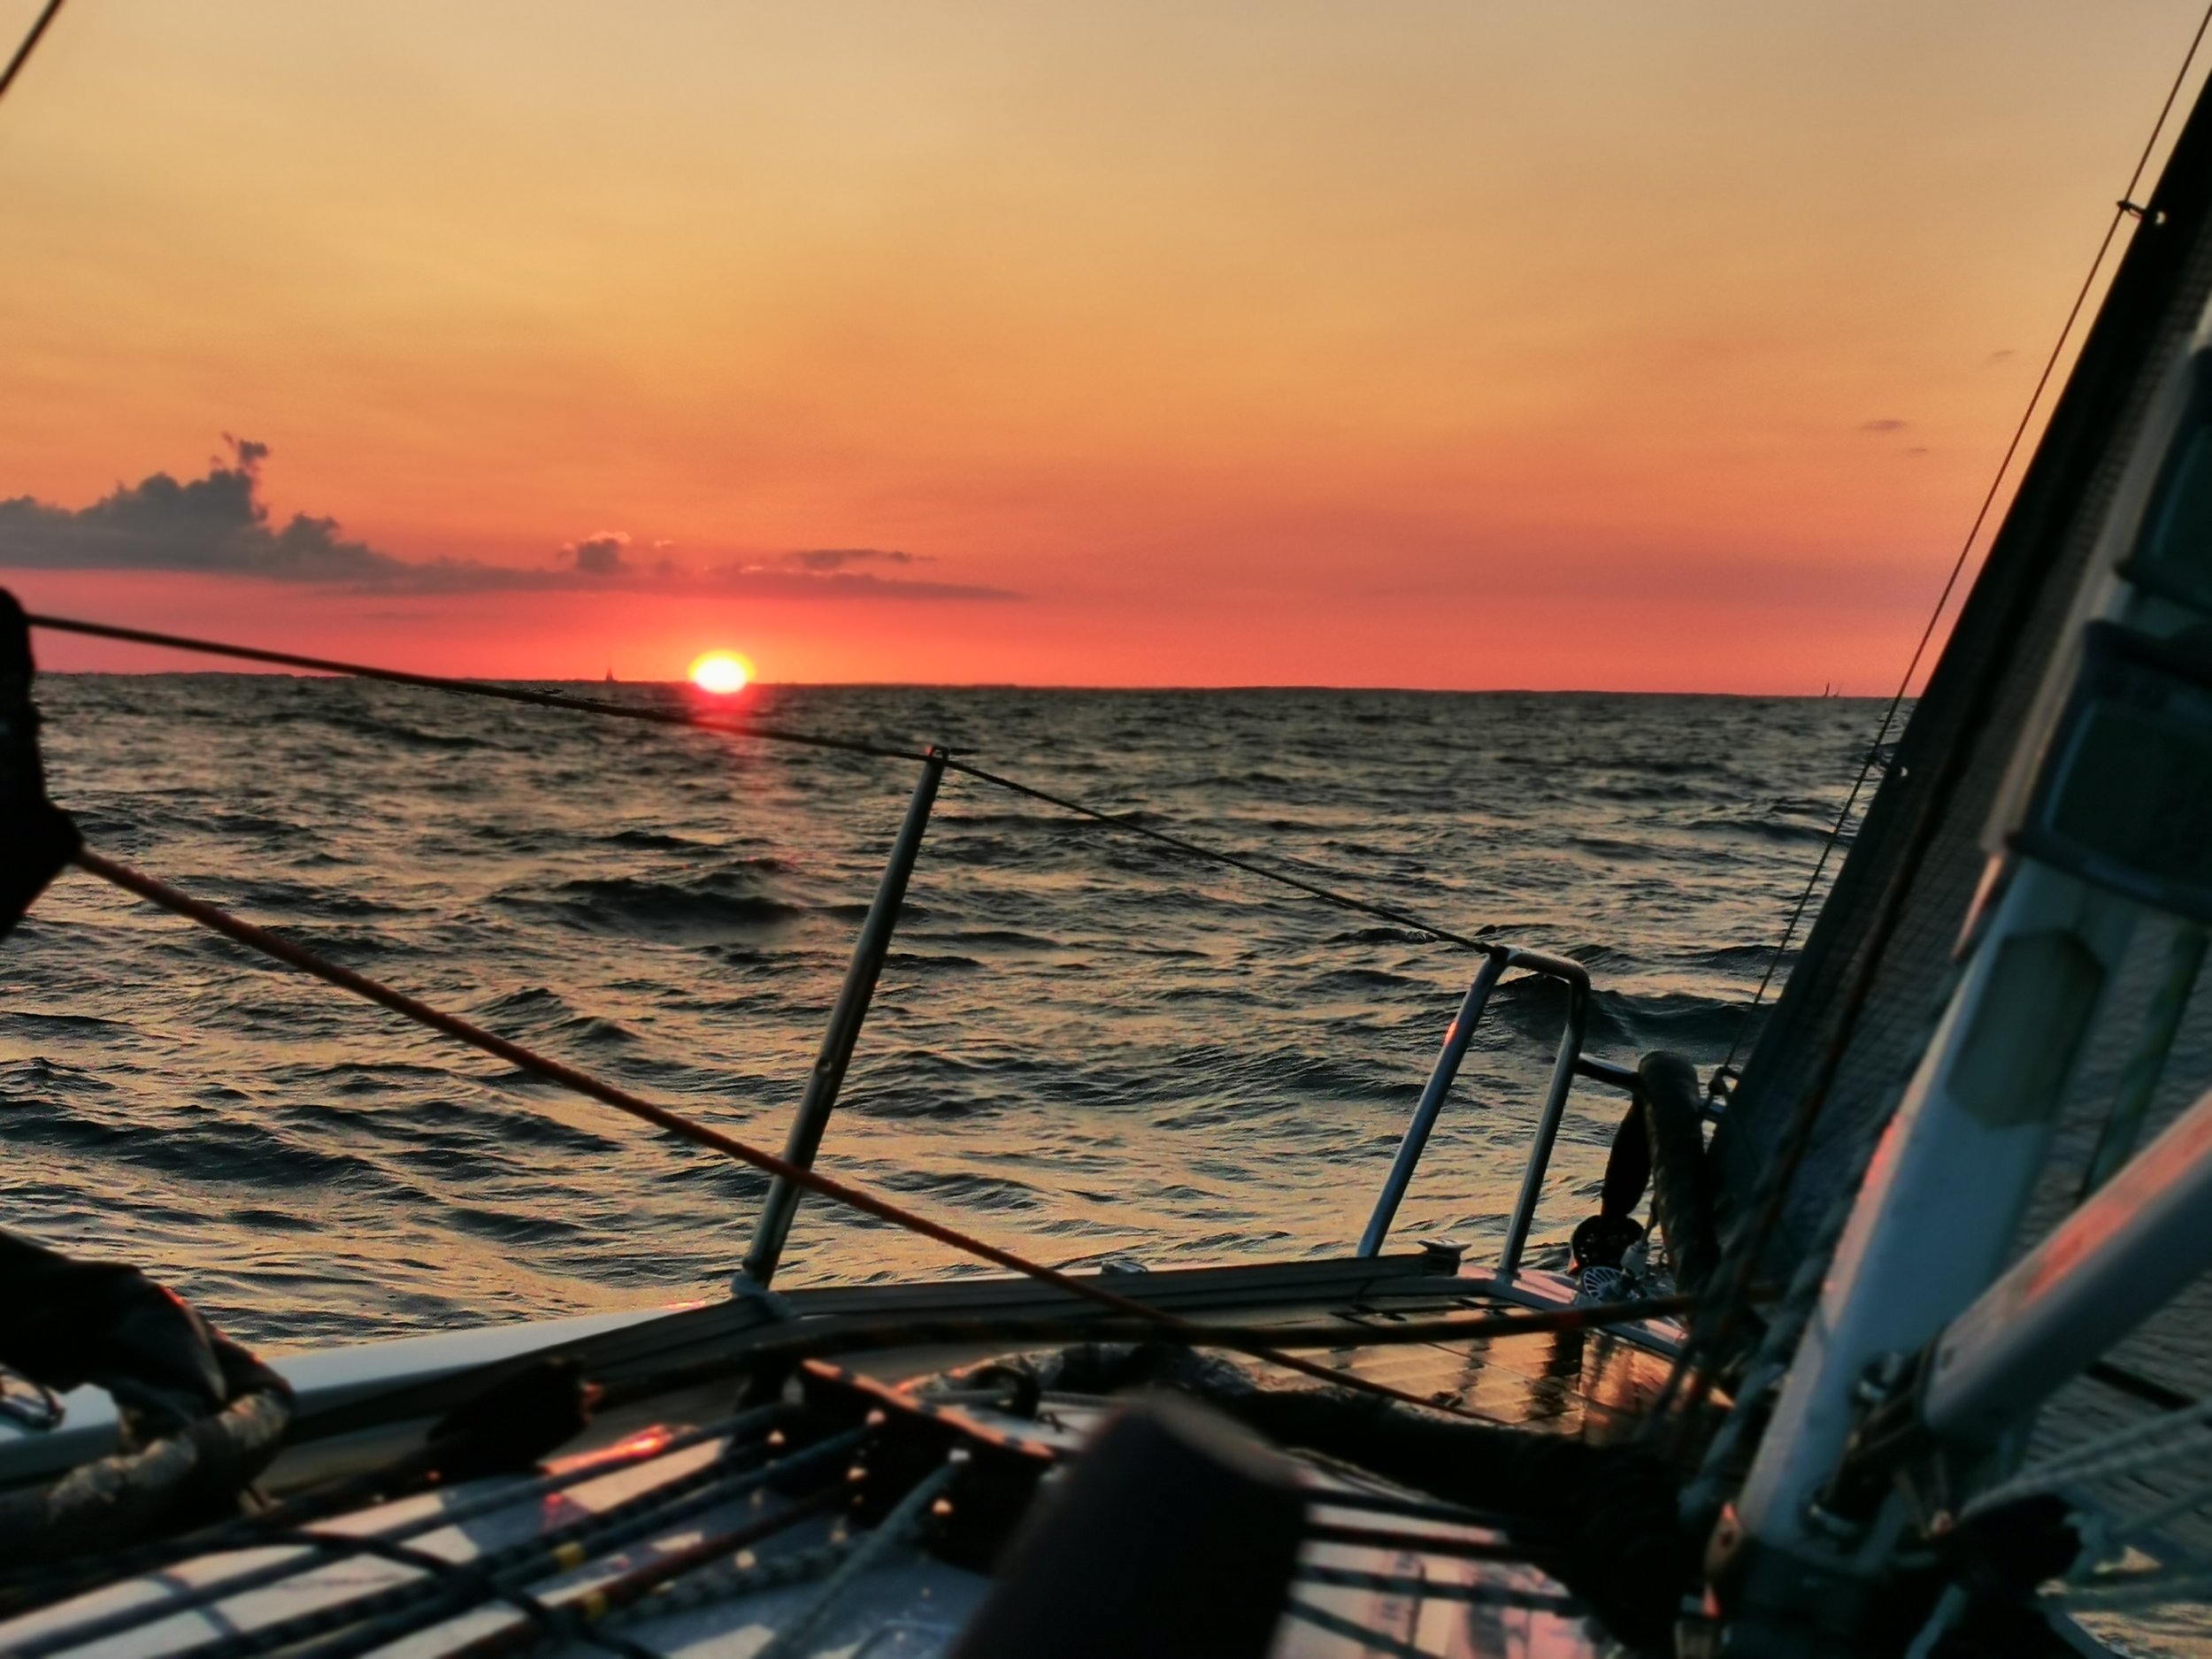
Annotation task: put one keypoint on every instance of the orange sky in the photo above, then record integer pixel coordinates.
(1455, 344)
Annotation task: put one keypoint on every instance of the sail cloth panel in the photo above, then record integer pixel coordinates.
(1921, 841)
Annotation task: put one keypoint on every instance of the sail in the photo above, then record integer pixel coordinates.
(1877, 966)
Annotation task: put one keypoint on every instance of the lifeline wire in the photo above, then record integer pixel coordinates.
(740, 729)
(1781, 1170)
(1382, 912)
(683, 1128)
(2123, 209)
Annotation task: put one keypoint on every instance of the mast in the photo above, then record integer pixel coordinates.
(2032, 808)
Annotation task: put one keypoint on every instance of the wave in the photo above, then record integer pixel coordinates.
(235, 1152)
(294, 898)
(707, 910)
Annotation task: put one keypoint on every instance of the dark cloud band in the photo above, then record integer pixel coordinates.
(220, 525)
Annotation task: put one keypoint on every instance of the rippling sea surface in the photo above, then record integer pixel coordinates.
(1083, 1046)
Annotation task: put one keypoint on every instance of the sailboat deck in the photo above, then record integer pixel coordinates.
(908, 1600)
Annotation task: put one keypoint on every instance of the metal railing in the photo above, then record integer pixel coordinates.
(857, 991)
(1570, 1063)
(853, 997)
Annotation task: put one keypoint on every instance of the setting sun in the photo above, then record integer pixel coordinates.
(721, 672)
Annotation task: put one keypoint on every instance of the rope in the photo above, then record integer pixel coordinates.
(2122, 210)
(606, 1600)
(465, 1578)
(905, 1519)
(363, 1623)
(2122, 1452)
(698, 1135)
(770, 734)
(1780, 1171)
(2150, 1520)
(728, 1581)
(252, 1532)
(2101, 1577)
(30, 44)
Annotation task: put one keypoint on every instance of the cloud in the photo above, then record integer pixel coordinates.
(1888, 423)
(845, 584)
(830, 570)
(838, 558)
(599, 554)
(220, 525)
(216, 524)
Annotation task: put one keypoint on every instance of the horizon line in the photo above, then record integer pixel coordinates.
(1000, 685)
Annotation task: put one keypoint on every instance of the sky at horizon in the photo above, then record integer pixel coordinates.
(1446, 345)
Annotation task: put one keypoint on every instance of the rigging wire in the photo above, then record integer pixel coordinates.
(1780, 1173)
(2122, 210)
(159, 893)
(770, 734)
(1121, 821)
(30, 44)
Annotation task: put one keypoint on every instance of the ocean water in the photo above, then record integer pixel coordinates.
(1083, 1046)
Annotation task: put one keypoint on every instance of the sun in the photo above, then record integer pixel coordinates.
(721, 672)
